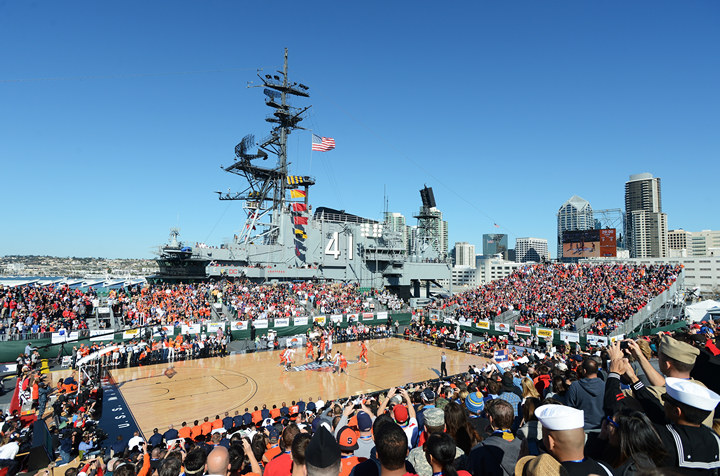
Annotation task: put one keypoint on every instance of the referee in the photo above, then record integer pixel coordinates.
(443, 365)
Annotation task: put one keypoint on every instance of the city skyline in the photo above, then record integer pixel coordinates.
(505, 111)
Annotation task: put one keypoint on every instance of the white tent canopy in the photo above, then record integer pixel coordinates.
(701, 311)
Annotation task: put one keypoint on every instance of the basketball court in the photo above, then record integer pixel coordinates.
(213, 386)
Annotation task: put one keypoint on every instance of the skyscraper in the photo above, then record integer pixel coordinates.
(531, 249)
(575, 214)
(495, 243)
(464, 254)
(645, 223)
(396, 222)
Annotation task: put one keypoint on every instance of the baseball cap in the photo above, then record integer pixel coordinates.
(434, 417)
(347, 439)
(400, 413)
(364, 422)
(676, 350)
(428, 395)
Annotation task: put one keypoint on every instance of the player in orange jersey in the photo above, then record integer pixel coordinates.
(363, 352)
(309, 350)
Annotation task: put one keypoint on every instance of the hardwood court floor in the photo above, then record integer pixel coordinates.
(209, 387)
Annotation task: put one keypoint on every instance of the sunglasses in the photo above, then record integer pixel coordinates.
(611, 422)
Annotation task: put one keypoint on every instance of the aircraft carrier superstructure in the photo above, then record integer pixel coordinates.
(284, 238)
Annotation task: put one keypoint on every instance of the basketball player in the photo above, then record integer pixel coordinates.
(309, 350)
(289, 354)
(363, 352)
(342, 363)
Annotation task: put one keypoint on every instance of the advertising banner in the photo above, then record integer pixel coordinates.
(260, 324)
(465, 322)
(544, 333)
(352, 317)
(282, 322)
(192, 329)
(367, 316)
(319, 320)
(336, 318)
(502, 327)
(131, 334)
(523, 330)
(212, 327)
(483, 325)
(101, 334)
(239, 325)
(566, 336)
(300, 321)
(382, 315)
(58, 337)
(617, 338)
(434, 315)
(596, 340)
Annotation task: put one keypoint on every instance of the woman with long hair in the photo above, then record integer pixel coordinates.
(440, 454)
(529, 390)
(459, 428)
(635, 445)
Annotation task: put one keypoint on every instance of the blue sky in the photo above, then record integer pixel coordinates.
(117, 115)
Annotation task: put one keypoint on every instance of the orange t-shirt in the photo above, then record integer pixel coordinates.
(256, 416)
(275, 413)
(217, 424)
(196, 431)
(348, 463)
(272, 452)
(185, 432)
(206, 427)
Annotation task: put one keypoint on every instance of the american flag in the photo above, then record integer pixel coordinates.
(322, 144)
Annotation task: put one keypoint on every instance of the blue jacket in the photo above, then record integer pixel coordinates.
(587, 395)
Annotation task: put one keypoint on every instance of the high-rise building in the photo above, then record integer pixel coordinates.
(396, 222)
(495, 244)
(464, 254)
(575, 214)
(645, 223)
(531, 249)
(679, 239)
(704, 243)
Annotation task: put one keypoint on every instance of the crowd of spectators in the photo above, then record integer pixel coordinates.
(548, 413)
(29, 310)
(556, 295)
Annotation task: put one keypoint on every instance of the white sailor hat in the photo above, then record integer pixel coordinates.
(560, 417)
(692, 394)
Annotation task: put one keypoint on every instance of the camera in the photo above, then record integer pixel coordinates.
(624, 345)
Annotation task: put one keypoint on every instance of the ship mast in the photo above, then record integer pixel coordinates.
(265, 195)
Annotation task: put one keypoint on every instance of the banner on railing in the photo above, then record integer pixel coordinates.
(352, 317)
(382, 315)
(501, 355)
(592, 339)
(260, 324)
(282, 322)
(617, 338)
(483, 325)
(212, 327)
(544, 333)
(300, 321)
(239, 325)
(101, 335)
(523, 330)
(463, 321)
(566, 336)
(319, 320)
(191, 329)
(130, 334)
(434, 315)
(58, 337)
(367, 316)
(502, 327)
(336, 318)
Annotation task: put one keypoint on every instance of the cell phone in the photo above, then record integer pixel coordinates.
(624, 345)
